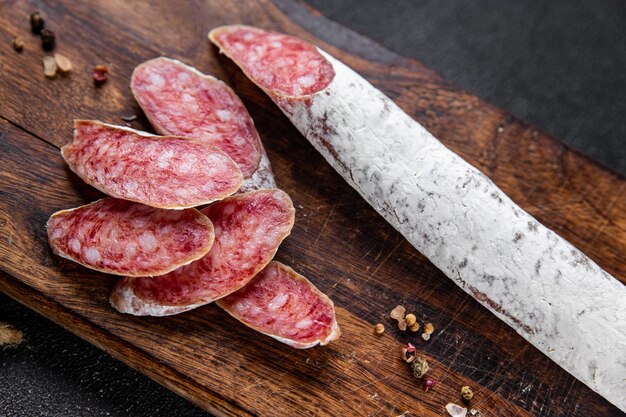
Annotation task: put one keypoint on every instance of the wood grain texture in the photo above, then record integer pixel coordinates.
(338, 241)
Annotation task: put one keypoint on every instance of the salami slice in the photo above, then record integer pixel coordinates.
(125, 238)
(165, 172)
(283, 304)
(538, 283)
(180, 100)
(248, 230)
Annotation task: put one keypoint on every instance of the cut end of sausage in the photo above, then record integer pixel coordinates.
(124, 238)
(179, 100)
(159, 171)
(283, 304)
(281, 65)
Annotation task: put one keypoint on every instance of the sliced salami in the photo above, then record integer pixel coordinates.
(283, 304)
(125, 238)
(538, 283)
(248, 230)
(180, 100)
(165, 172)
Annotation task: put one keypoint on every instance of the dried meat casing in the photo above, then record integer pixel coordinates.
(181, 101)
(249, 228)
(164, 172)
(131, 239)
(535, 281)
(283, 304)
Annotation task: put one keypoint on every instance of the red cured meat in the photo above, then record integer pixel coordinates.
(284, 305)
(179, 100)
(248, 230)
(165, 172)
(125, 238)
(278, 63)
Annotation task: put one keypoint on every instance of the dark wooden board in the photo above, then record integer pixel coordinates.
(338, 241)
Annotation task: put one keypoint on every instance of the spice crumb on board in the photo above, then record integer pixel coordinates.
(408, 353)
(429, 328)
(398, 314)
(49, 66)
(428, 384)
(410, 319)
(419, 367)
(415, 327)
(426, 336)
(47, 39)
(379, 328)
(64, 65)
(36, 22)
(18, 44)
(9, 335)
(467, 393)
(456, 410)
(100, 74)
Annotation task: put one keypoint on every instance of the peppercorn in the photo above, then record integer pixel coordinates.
(36, 23)
(99, 74)
(47, 39)
(408, 353)
(419, 367)
(467, 393)
(18, 44)
(379, 328)
(428, 384)
(410, 319)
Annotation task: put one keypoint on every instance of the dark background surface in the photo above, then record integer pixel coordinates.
(559, 65)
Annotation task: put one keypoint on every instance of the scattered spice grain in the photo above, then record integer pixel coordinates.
(409, 353)
(63, 64)
(410, 319)
(100, 75)
(428, 384)
(429, 328)
(426, 336)
(467, 393)
(379, 328)
(9, 335)
(36, 23)
(47, 39)
(49, 66)
(415, 327)
(456, 410)
(18, 44)
(419, 367)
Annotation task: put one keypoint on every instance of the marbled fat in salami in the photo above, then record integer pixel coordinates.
(125, 238)
(179, 100)
(282, 64)
(249, 228)
(534, 280)
(165, 172)
(283, 304)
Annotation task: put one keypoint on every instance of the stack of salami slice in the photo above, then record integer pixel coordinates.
(172, 256)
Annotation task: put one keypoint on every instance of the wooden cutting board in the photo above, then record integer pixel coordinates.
(338, 241)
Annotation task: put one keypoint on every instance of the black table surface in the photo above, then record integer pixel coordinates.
(560, 65)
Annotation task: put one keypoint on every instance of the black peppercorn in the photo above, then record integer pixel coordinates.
(36, 23)
(47, 39)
